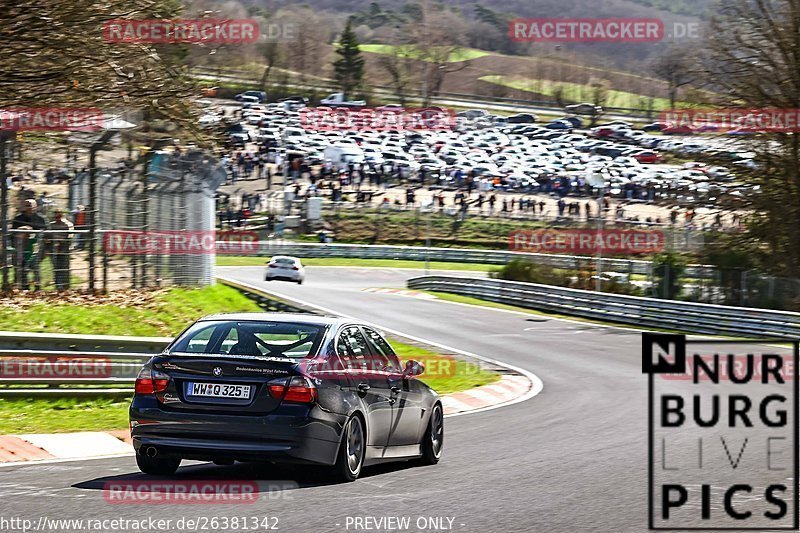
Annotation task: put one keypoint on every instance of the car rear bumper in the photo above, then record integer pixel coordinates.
(284, 276)
(279, 438)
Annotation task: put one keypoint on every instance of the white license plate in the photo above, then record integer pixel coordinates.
(219, 390)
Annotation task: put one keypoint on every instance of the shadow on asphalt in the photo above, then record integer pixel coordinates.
(269, 477)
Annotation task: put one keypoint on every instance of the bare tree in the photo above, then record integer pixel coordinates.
(599, 97)
(752, 59)
(676, 67)
(273, 56)
(438, 43)
(399, 63)
(55, 54)
(305, 53)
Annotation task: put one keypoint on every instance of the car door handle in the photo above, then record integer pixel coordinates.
(362, 387)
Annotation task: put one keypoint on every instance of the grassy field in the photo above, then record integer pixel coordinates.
(463, 54)
(345, 262)
(60, 415)
(160, 313)
(407, 228)
(575, 92)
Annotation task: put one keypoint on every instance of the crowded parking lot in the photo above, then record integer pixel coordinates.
(477, 152)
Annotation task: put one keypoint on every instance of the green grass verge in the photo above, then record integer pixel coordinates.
(59, 415)
(462, 54)
(448, 378)
(576, 92)
(379, 263)
(165, 314)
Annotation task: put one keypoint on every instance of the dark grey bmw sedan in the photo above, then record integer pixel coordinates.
(283, 388)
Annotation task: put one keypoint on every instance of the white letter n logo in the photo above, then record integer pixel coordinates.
(663, 354)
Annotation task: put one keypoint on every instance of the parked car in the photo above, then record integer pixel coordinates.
(648, 157)
(237, 135)
(559, 125)
(342, 154)
(521, 118)
(337, 100)
(655, 126)
(584, 109)
(260, 95)
(678, 130)
(575, 121)
(283, 388)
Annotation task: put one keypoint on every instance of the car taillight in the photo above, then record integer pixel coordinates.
(295, 268)
(151, 381)
(298, 389)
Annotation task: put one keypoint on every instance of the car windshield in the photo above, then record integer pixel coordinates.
(250, 338)
(283, 261)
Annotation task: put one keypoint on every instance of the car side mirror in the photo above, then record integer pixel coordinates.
(413, 368)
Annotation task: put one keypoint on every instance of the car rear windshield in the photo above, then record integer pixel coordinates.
(283, 261)
(250, 338)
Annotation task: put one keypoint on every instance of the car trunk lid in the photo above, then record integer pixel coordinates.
(222, 383)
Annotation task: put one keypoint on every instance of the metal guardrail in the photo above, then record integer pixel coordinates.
(642, 312)
(44, 364)
(462, 255)
(269, 303)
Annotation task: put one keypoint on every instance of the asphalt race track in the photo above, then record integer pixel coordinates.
(573, 458)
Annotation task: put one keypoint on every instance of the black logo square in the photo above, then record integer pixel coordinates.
(663, 353)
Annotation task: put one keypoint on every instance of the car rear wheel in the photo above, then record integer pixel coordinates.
(351, 451)
(433, 441)
(157, 466)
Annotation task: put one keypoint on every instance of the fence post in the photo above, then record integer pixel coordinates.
(743, 289)
(4, 241)
(105, 268)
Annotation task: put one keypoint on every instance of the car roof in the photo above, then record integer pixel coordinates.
(319, 320)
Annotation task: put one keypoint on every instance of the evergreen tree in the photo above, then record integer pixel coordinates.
(349, 66)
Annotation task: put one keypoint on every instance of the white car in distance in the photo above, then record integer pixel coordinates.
(285, 268)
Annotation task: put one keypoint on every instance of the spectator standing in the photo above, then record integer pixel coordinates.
(60, 249)
(29, 247)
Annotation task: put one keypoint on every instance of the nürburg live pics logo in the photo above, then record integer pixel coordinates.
(722, 433)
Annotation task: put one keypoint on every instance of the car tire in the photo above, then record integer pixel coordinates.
(433, 440)
(350, 458)
(157, 466)
(299, 281)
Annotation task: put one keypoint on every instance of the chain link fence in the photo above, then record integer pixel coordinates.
(144, 213)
